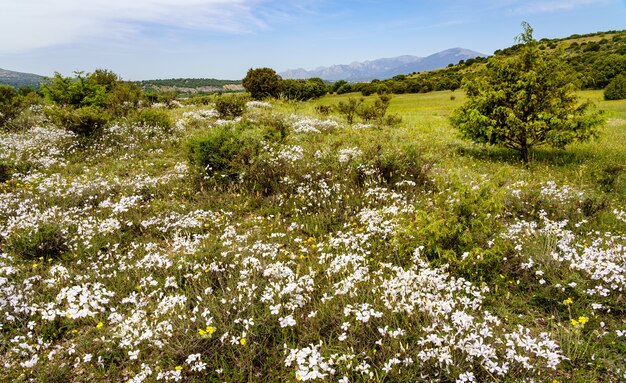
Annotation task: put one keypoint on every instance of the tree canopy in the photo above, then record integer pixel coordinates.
(525, 100)
(262, 83)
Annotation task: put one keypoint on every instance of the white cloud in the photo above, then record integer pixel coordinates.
(31, 24)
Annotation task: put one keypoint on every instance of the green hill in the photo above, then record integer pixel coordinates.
(19, 79)
(595, 58)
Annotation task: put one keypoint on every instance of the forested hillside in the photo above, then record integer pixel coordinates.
(595, 59)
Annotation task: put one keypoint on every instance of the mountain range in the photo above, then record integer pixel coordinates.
(384, 68)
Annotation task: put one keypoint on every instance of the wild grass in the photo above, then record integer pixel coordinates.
(316, 251)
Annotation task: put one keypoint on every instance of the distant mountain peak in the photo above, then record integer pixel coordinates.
(384, 68)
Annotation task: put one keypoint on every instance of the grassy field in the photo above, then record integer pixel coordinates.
(299, 248)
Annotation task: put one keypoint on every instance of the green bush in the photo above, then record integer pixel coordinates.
(224, 150)
(124, 98)
(199, 99)
(10, 104)
(393, 166)
(154, 117)
(77, 92)
(230, 106)
(275, 127)
(86, 121)
(616, 90)
(5, 172)
(376, 112)
(609, 175)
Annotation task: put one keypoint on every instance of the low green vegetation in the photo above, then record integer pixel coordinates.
(286, 244)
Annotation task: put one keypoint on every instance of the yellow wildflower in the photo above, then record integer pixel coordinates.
(568, 301)
(99, 325)
(178, 368)
(242, 341)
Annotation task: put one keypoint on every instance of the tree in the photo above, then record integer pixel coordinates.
(262, 83)
(10, 104)
(525, 100)
(616, 90)
(87, 102)
(302, 90)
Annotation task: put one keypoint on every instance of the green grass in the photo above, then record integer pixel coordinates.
(408, 226)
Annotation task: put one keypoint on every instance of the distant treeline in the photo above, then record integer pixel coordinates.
(188, 82)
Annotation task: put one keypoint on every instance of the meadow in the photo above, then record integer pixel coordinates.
(316, 251)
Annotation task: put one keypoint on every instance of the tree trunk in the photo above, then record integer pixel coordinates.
(524, 153)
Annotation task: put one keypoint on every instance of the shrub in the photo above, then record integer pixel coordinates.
(393, 120)
(124, 98)
(616, 90)
(10, 104)
(199, 99)
(349, 108)
(274, 126)
(399, 165)
(154, 117)
(78, 92)
(167, 98)
(230, 106)
(86, 121)
(223, 149)
(608, 176)
(5, 172)
(377, 111)
(323, 110)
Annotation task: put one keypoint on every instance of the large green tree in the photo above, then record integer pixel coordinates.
(525, 100)
(262, 83)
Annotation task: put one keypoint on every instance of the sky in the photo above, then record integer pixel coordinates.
(150, 39)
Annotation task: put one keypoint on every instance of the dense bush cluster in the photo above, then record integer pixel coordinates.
(86, 103)
(616, 90)
(264, 83)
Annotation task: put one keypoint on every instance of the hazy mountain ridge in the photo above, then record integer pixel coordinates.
(385, 67)
(19, 79)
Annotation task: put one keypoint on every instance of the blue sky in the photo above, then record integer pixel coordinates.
(147, 39)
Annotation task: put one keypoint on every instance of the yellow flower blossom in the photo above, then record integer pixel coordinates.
(242, 341)
(99, 325)
(568, 301)
(206, 332)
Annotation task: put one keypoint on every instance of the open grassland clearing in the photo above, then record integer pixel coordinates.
(287, 245)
